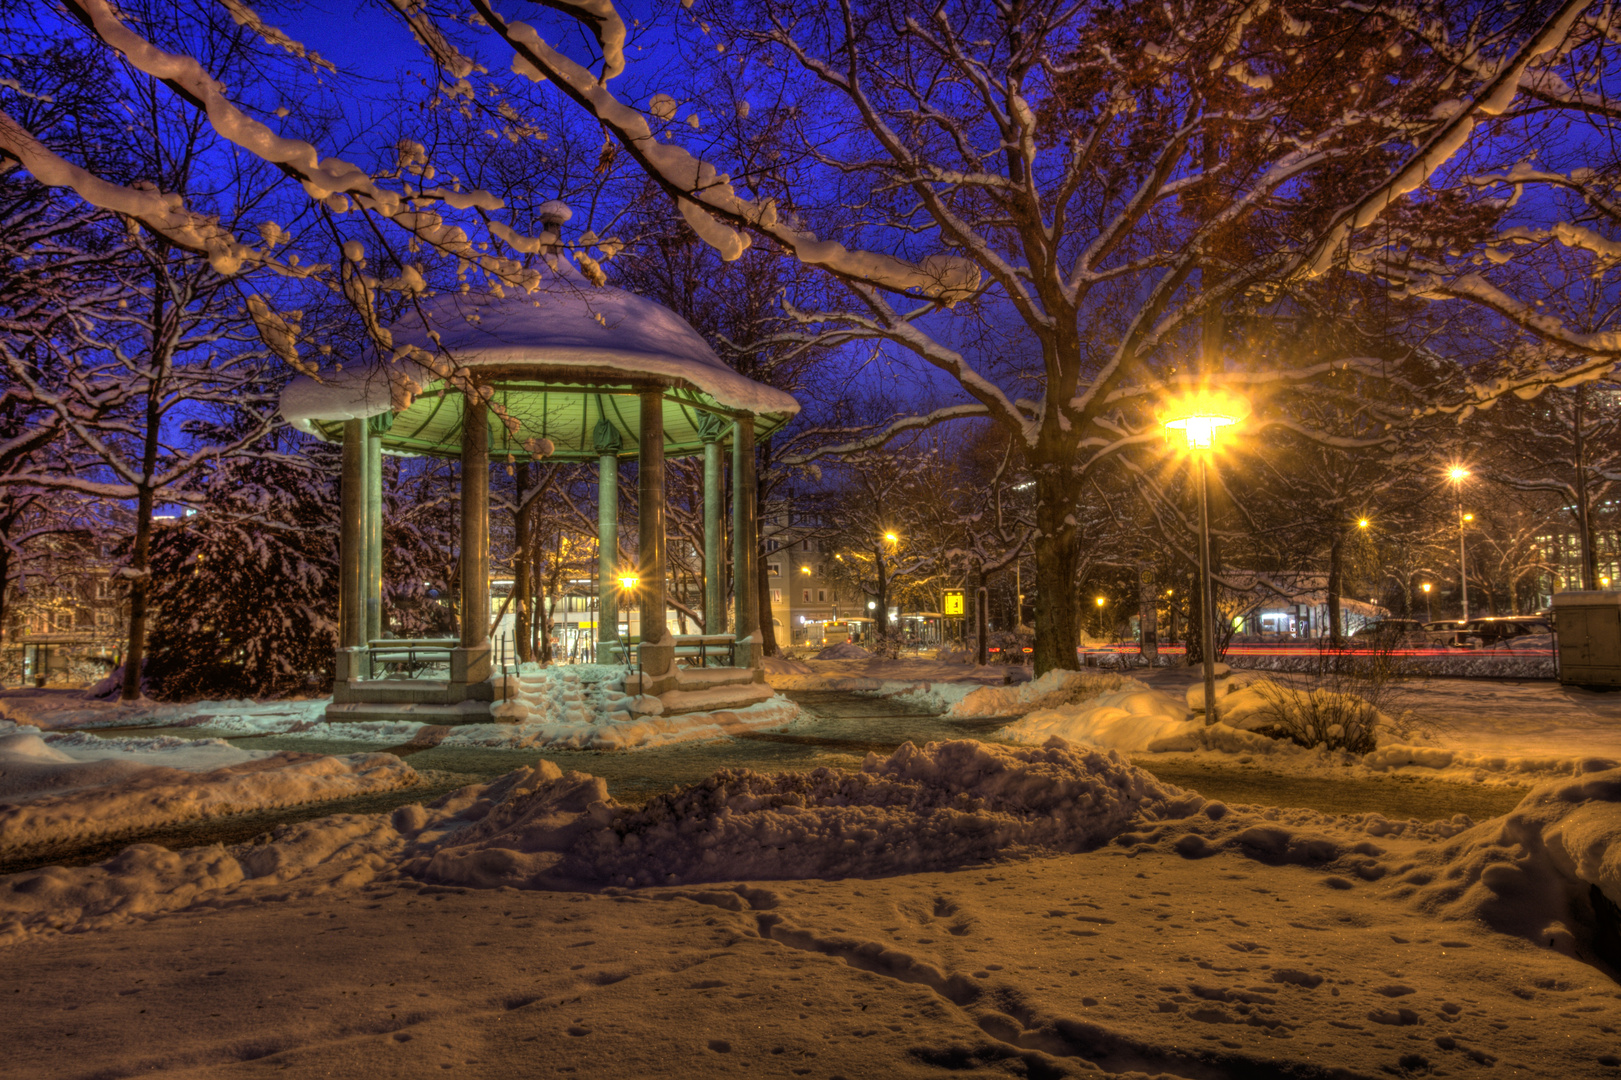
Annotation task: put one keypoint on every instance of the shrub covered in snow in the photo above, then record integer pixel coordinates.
(1340, 701)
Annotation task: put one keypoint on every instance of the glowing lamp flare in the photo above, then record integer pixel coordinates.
(629, 582)
(1200, 430)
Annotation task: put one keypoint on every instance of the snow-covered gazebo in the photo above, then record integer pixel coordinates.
(568, 372)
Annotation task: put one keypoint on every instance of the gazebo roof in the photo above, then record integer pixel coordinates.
(559, 360)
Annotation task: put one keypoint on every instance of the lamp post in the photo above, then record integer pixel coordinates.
(1198, 421)
(1100, 602)
(1429, 616)
(1457, 475)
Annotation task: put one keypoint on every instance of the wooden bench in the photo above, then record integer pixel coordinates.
(689, 647)
(414, 654)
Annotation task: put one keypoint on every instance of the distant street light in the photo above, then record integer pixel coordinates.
(891, 537)
(1458, 474)
(1429, 616)
(1362, 523)
(1198, 419)
(1100, 602)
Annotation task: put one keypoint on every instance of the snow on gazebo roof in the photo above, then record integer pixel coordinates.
(560, 359)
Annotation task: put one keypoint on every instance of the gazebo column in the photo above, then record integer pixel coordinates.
(372, 584)
(657, 648)
(711, 428)
(744, 576)
(606, 441)
(470, 661)
(352, 554)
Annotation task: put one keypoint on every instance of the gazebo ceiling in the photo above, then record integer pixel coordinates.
(559, 361)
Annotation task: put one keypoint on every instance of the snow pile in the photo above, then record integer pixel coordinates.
(1545, 871)
(1051, 690)
(54, 789)
(53, 710)
(844, 650)
(585, 707)
(145, 881)
(948, 804)
(621, 731)
(1549, 871)
(1129, 720)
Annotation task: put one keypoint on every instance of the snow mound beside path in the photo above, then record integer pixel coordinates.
(844, 650)
(77, 787)
(945, 805)
(1055, 688)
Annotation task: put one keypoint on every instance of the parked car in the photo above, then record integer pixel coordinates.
(1443, 632)
(1504, 632)
(1392, 634)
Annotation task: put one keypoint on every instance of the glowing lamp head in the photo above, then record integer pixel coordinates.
(1457, 473)
(1468, 517)
(1425, 586)
(1200, 430)
(1101, 601)
(1362, 523)
(891, 537)
(804, 569)
(629, 582)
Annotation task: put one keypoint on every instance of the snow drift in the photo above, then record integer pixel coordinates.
(947, 804)
(79, 787)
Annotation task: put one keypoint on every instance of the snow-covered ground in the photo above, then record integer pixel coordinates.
(1462, 730)
(57, 787)
(966, 909)
(1471, 730)
(578, 706)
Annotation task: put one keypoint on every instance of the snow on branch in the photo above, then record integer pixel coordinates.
(708, 201)
(243, 15)
(1492, 100)
(886, 433)
(163, 213)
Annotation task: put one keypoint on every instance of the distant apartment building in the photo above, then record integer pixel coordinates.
(64, 620)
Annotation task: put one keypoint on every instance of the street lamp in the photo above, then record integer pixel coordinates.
(1457, 474)
(1100, 602)
(1198, 418)
(1429, 616)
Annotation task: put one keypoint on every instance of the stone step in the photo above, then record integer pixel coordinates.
(699, 679)
(394, 691)
(465, 712)
(713, 698)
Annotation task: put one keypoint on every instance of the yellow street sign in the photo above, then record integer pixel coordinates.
(953, 604)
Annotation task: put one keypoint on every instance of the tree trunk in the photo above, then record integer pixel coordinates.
(762, 579)
(1058, 611)
(1195, 628)
(1336, 571)
(881, 618)
(522, 570)
(762, 588)
(1584, 508)
(140, 586)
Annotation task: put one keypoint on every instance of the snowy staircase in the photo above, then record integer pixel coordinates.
(707, 689)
